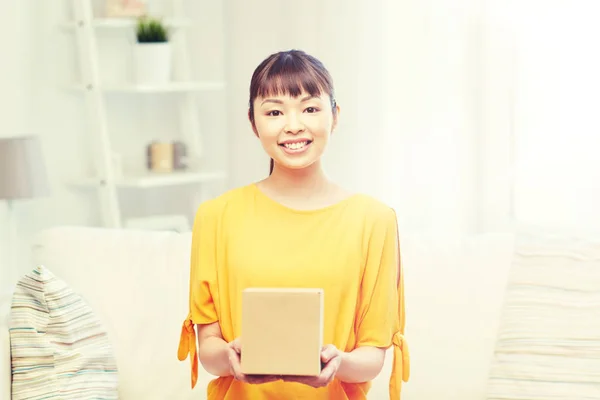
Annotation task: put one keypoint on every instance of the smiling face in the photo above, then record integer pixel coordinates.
(292, 108)
(294, 131)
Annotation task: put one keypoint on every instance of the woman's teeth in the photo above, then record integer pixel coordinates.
(295, 146)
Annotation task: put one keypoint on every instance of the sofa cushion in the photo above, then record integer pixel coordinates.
(549, 338)
(59, 348)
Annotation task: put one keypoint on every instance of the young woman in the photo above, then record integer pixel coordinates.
(296, 228)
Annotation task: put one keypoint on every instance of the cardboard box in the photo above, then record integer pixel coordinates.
(282, 331)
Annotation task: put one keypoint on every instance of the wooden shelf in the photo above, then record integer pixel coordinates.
(153, 180)
(172, 87)
(127, 23)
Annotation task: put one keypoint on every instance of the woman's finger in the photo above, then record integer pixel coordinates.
(328, 353)
(235, 345)
(234, 363)
(327, 374)
(330, 369)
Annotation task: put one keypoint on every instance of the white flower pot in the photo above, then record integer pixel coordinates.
(152, 63)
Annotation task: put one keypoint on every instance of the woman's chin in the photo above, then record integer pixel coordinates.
(296, 165)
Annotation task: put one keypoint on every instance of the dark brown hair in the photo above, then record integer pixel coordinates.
(290, 73)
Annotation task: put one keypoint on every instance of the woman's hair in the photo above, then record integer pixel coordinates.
(290, 73)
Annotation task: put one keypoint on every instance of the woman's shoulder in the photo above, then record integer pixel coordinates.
(373, 208)
(231, 198)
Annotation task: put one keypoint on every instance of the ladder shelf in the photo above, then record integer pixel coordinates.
(108, 178)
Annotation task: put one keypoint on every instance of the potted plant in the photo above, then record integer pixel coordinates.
(152, 52)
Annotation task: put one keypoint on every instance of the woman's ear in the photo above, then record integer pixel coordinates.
(336, 117)
(252, 122)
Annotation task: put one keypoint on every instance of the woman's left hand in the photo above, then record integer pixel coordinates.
(331, 358)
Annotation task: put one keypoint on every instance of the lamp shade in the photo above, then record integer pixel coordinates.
(22, 168)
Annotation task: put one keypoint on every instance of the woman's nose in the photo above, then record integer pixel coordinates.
(293, 124)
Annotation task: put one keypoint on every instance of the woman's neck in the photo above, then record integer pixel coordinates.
(306, 189)
(303, 182)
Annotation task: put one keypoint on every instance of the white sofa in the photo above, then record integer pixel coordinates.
(137, 281)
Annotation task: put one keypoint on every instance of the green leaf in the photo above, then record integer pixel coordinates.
(151, 30)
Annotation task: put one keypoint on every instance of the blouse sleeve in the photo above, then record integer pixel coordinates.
(203, 270)
(380, 315)
(203, 288)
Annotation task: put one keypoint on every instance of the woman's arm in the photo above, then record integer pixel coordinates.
(362, 364)
(213, 350)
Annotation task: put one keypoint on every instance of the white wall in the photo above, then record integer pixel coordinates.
(431, 103)
(496, 136)
(556, 114)
(16, 70)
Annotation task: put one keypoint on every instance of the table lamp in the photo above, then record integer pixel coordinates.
(22, 176)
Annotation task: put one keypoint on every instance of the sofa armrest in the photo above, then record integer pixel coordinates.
(5, 361)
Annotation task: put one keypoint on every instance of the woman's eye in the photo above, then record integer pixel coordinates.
(311, 110)
(274, 113)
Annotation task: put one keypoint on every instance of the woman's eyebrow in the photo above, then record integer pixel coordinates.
(271, 101)
(276, 101)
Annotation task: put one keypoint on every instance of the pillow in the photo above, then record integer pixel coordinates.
(549, 339)
(59, 347)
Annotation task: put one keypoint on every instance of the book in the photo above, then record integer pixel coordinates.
(282, 331)
(125, 8)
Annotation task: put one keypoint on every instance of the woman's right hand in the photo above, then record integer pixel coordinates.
(235, 352)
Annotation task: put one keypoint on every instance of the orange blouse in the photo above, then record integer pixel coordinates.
(245, 239)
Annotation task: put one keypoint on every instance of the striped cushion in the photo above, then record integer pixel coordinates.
(549, 341)
(59, 348)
